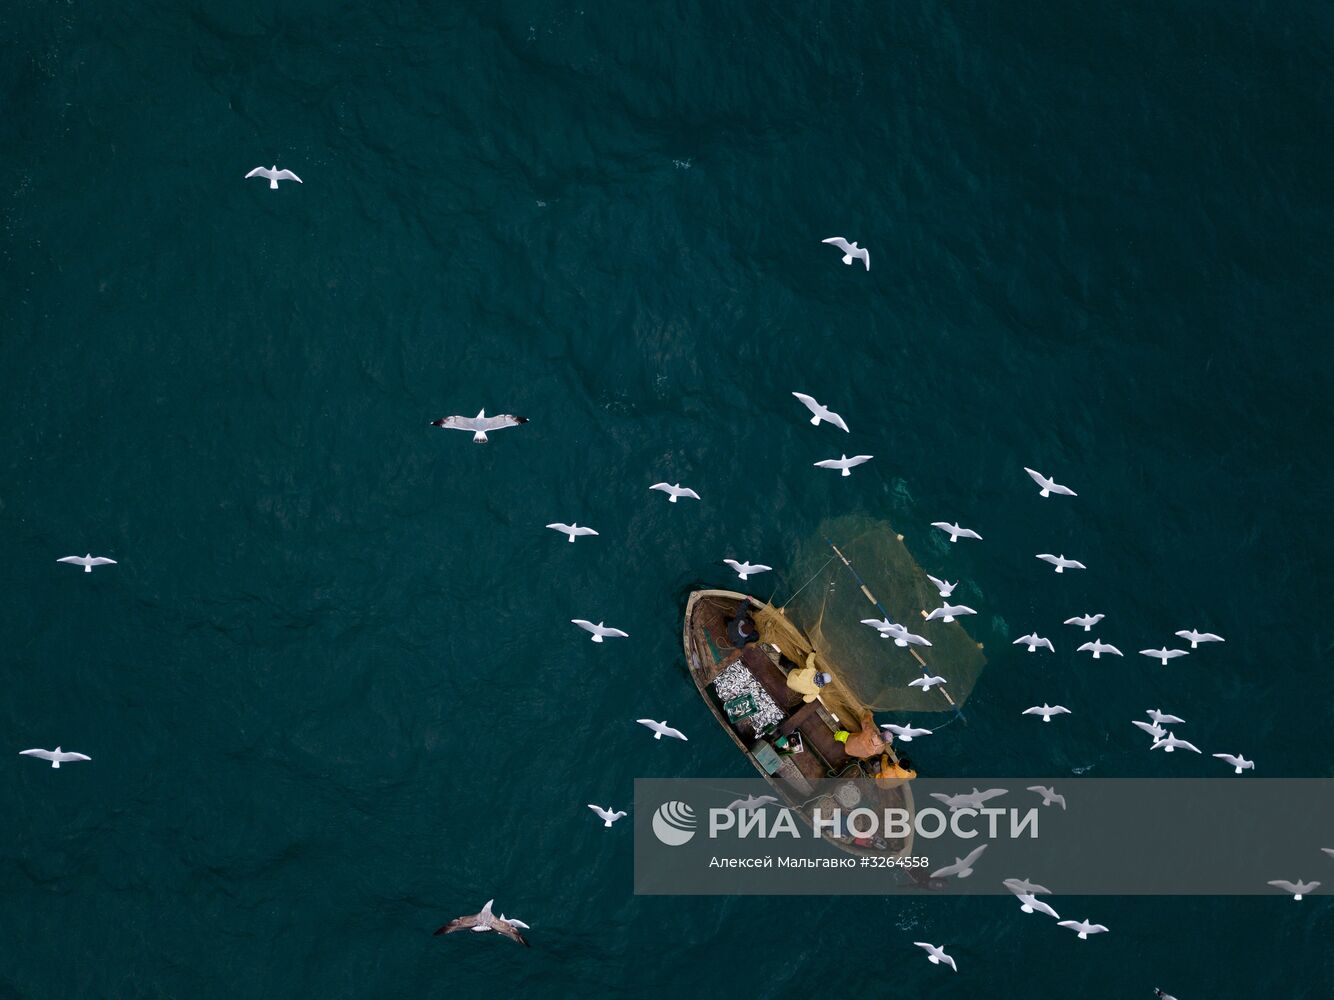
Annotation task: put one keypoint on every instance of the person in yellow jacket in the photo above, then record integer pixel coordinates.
(891, 771)
(808, 680)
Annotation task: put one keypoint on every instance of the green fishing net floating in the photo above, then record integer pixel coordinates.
(871, 672)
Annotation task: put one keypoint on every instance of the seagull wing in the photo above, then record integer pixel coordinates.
(1064, 491)
(498, 421)
(973, 855)
(260, 172)
(589, 626)
(830, 463)
(37, 752)
(674, 733)
(839, 242)
(77, 560)
(458, 924)
(101, 561)
(287, 175)
(508, 930)
(810, 403)
(1042, 907)
(76, 756)
(615, 632)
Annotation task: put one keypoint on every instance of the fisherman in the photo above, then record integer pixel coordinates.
(808, 680)
(891, 771)
(741, 630)
(868, 742)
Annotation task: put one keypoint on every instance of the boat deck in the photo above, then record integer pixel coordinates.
(763, 671)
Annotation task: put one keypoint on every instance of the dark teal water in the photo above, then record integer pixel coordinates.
(331, 691)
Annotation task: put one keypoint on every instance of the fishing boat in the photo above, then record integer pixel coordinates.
(741, 672)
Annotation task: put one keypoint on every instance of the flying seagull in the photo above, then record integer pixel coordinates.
(954, 531)
(1239, 763)
(947, 612)
(573, 530)
(905, 734)
(1169, 743)
(1083, 927)
(675, 491)
(1031, 904)
(486, 919)
(962, 867)
(1163, 719)
(1022, 886)
(751, 802)
(968, 800)
(1097, 647)
(1152, 728)
(1048, 795)
(746, 569)
(88, 561)
(512, 921)
(478, 426)
(1329, 851)
(821, 412)
(1049, 486)
(661, 729)
(851, 251)
(893, 630)
(56, 756)
(1046, 711)
(936, 954)
(926, 683)
(1298, 889)
(606, 815)
(1198, 637)
(1088, 621)
(274, 175)
(945, 588)
(1161, 995)
(600, 631)
(1033, 641)
(1163, 654)
(844, 463)
(1060, 562)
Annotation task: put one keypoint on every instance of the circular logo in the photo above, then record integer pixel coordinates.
(674, 823)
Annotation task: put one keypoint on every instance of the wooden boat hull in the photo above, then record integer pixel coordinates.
(799, 778)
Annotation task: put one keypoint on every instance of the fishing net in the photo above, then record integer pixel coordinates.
(870, 671)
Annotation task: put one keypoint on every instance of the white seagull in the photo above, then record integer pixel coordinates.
(1022, 886)
(56, 756)
(675, 491)
(926, 683)
(1198, 637)
(1083, 927)
(750, 803)
(1033, 641)
(661, 729)
(273, 175)
(1163, 719)
(88, 561)
(1239, 763)
(851, 251)
(510, 921)
(962, 867)
(905, 733)
(893, 630)
(1163, 654)
(968, 800)
(478, 426)
(954, 531)
(1152, 728)
(573, 530)
(936, 954)
(487, 920)
(606, 815)
(1031, 904)
(600, 631)
(1060, 562)
(1048, 795)
(1298, 889)
(1088, 621)
(1097, 647)
(1049, 486)
(844, 463)
(947, 612)
(1169, 743)
(821, 412)
(746, 569)
(944, 587)
(1046, 711)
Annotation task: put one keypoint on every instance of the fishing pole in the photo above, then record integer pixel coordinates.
(866, 592)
